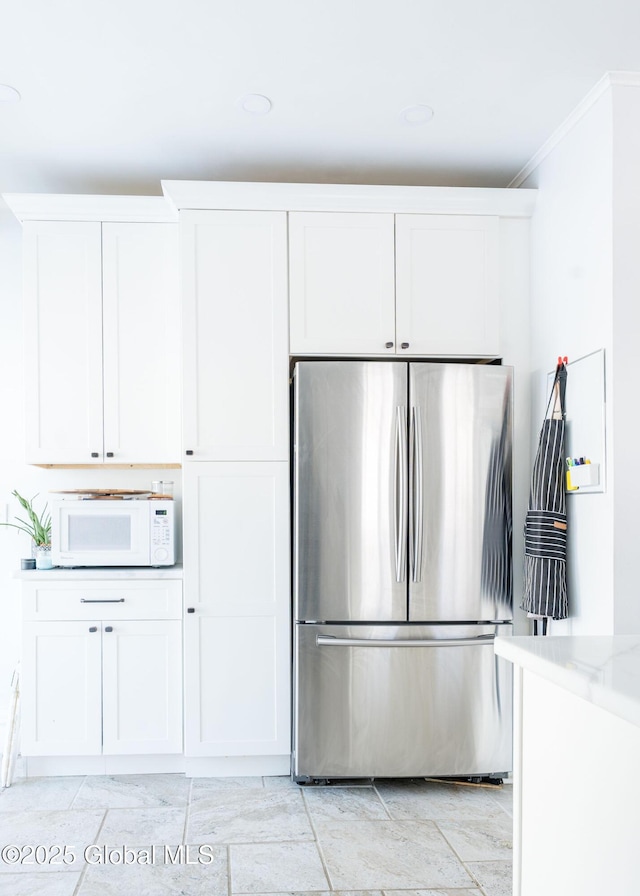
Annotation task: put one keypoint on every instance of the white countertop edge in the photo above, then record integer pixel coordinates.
(604, 670)
(102, 573)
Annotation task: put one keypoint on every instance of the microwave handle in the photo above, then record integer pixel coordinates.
(86, 600)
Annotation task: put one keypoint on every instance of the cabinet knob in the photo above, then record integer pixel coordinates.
(404, 345)
(93, 628)
(95, 454)
(108, 628)
(189, 452)
(388, 345)
(191, 609)
(109, 453)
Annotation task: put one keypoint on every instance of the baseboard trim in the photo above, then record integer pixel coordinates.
(231, 766)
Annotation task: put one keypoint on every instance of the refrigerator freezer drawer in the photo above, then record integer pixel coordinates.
(400, 701)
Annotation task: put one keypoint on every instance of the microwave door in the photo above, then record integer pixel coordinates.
(101, 533)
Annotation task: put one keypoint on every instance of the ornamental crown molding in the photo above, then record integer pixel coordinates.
(609, 80)
(69, 207)
(231, 195)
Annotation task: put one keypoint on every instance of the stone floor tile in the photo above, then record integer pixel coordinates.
(343, 804)
(276, 867)
(495, 878)
(280, 781)
(142, 827)
(433, 801)
(503, 796)
(39, 884)
(305, 893)
(40, 793)
(74, 829)
(248, 816)
(206, 874)
(133, 791)
(480, 841)
(383, 855)
(204, 788)
(473, 891)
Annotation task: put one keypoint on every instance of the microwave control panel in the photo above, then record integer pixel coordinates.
(162, 552)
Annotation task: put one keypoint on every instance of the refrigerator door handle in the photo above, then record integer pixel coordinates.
(417, 495)
(400, 496)
(330, 641)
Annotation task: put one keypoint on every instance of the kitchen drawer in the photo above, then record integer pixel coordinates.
(113, 600)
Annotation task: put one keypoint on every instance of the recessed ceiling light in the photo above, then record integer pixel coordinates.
(255, 104)
(414, 116)
(8, 94)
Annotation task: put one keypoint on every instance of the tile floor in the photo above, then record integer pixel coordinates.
(254, 836)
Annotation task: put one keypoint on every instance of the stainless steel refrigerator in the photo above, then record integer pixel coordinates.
(402, 569)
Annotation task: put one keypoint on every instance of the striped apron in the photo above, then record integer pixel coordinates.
(545, 530)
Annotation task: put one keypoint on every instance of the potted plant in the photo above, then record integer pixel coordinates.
(38, 527)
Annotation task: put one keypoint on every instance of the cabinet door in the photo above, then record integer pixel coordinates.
(61, 689)
(237, 639)
(141, 343)
(63, 330)
(341, 283)
(236, 373)
(142, 686)
(447, 298)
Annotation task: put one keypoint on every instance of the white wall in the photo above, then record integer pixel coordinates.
(572, 307)
(626, 339)
(14, 473)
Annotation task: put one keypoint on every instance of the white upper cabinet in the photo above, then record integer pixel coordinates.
(142, 388)
(341, 283)
(63, 342)
(236, 374)
(447, 285)
(101, 314)
(405, 284)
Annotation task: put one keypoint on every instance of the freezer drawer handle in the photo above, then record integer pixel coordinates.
(329, 641)
(400, 489)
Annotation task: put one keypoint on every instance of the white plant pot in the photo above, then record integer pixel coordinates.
(43, 556)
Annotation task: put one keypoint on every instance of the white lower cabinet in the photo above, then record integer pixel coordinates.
(94, 679)
(142, 686)
(61, 689)
(237, 636)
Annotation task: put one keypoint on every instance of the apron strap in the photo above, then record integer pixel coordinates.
(558, 393)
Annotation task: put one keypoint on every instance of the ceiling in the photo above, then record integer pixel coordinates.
(119, 94)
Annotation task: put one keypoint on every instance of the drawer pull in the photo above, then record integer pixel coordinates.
(87, 600)
(94, 628)
(108, 628)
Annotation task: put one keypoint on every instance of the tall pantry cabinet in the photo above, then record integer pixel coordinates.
(236, 491)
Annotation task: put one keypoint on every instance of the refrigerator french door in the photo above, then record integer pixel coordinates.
(402, 569)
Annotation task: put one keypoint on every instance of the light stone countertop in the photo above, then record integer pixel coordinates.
(100, 573)
(605, 670)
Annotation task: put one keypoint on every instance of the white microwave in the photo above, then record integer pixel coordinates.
(112, 533)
